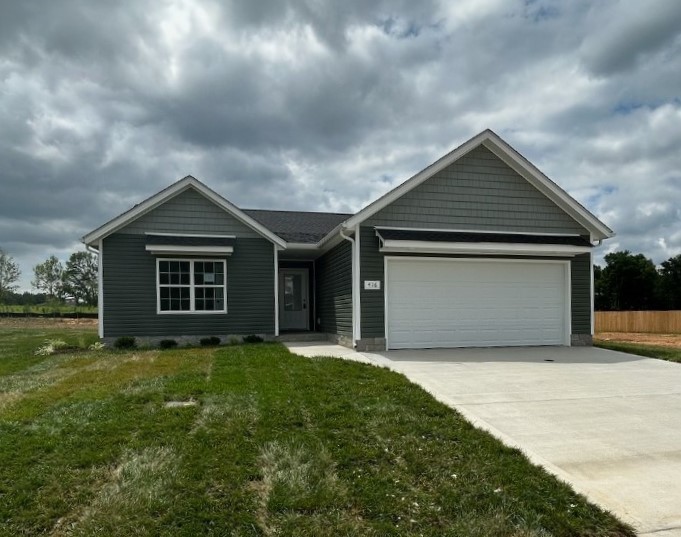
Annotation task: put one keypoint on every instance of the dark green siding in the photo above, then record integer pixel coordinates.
(478, 192)
(333, 272)
(371, 301)
(130, 292)
(580, 274)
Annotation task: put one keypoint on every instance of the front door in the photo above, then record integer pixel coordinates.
(294, 299)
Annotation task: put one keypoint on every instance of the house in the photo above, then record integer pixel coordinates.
(478, 249)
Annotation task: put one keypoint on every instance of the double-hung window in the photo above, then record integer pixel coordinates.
(191, 286)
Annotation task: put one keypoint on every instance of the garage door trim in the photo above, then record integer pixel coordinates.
(567, 288)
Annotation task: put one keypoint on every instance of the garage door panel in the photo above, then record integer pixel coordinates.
(447, 303)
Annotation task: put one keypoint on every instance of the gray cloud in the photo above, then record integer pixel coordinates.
(307, 105)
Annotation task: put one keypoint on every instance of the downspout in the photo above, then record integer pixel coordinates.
(355, 290)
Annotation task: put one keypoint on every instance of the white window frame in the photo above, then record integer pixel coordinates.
(192, 287)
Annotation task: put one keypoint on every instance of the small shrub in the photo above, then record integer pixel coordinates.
(234, 340)
(211, 341)
(253, 339)
(167, 344)
(50, 347)
(125, 342)
(97, 346)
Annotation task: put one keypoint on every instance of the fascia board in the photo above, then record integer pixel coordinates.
(482, 248)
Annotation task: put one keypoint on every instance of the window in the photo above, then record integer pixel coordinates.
(191, 286)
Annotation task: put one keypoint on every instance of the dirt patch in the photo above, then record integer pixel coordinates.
(43, 322)
(660, 340)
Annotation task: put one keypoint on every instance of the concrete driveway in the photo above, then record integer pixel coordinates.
(608, 423)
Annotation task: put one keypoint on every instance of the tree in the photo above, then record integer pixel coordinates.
(48, 277)
(9, 274)
(628, 282)
(80, 278)
(670, 283)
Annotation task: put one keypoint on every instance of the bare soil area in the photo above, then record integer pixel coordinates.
(660, 340)
(45, 322)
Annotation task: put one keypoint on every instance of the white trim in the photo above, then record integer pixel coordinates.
(568, 303)
(195, 235)
(503, 150)
(593, 294)
(173, 190)
(301, 246)
(160, 249)
(486, 231)
(100, 289)
(357, 282)
(385, 300)
(192, 288)
(565, 263)
(482, 248)
(276, 290)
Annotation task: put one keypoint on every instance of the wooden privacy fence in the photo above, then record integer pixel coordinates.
(655, 322)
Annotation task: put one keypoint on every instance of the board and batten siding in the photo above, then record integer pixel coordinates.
(333, 273)
(190, 212)
(130, 307)
(477, 192)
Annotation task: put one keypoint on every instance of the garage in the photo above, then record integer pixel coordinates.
(452, 302)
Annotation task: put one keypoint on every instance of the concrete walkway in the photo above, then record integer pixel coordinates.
(608, 423)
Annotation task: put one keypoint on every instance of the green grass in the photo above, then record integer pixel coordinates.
(275, 444)
(50, 309)
(670, 354)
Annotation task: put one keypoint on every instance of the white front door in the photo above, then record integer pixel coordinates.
(294, 299)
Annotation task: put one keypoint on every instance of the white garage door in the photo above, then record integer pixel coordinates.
(473, 303)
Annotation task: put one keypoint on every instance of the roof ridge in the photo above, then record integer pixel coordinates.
(296, 211)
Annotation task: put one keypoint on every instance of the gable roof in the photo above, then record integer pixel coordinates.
(303, 227)
(164, 195)
(515, 161)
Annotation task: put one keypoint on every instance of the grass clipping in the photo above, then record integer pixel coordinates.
(139, 483)
(295, 478)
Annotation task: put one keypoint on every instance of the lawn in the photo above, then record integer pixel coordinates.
(269, 444)
(46, 309)
(671, 354)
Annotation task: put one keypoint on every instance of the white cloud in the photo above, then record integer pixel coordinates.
(317, 106)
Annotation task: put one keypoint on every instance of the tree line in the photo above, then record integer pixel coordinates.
(633, 282)
(626, 282)
(53, 280)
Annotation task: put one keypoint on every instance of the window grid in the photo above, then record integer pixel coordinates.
(191, 286)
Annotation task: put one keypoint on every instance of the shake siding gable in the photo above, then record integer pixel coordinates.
(190, 212)
(477, 192)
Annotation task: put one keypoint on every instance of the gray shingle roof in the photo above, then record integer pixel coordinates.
(298, 226)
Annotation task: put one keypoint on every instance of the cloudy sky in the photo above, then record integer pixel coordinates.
(317, 105)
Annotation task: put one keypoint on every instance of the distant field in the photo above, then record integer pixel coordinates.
(46, 309)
